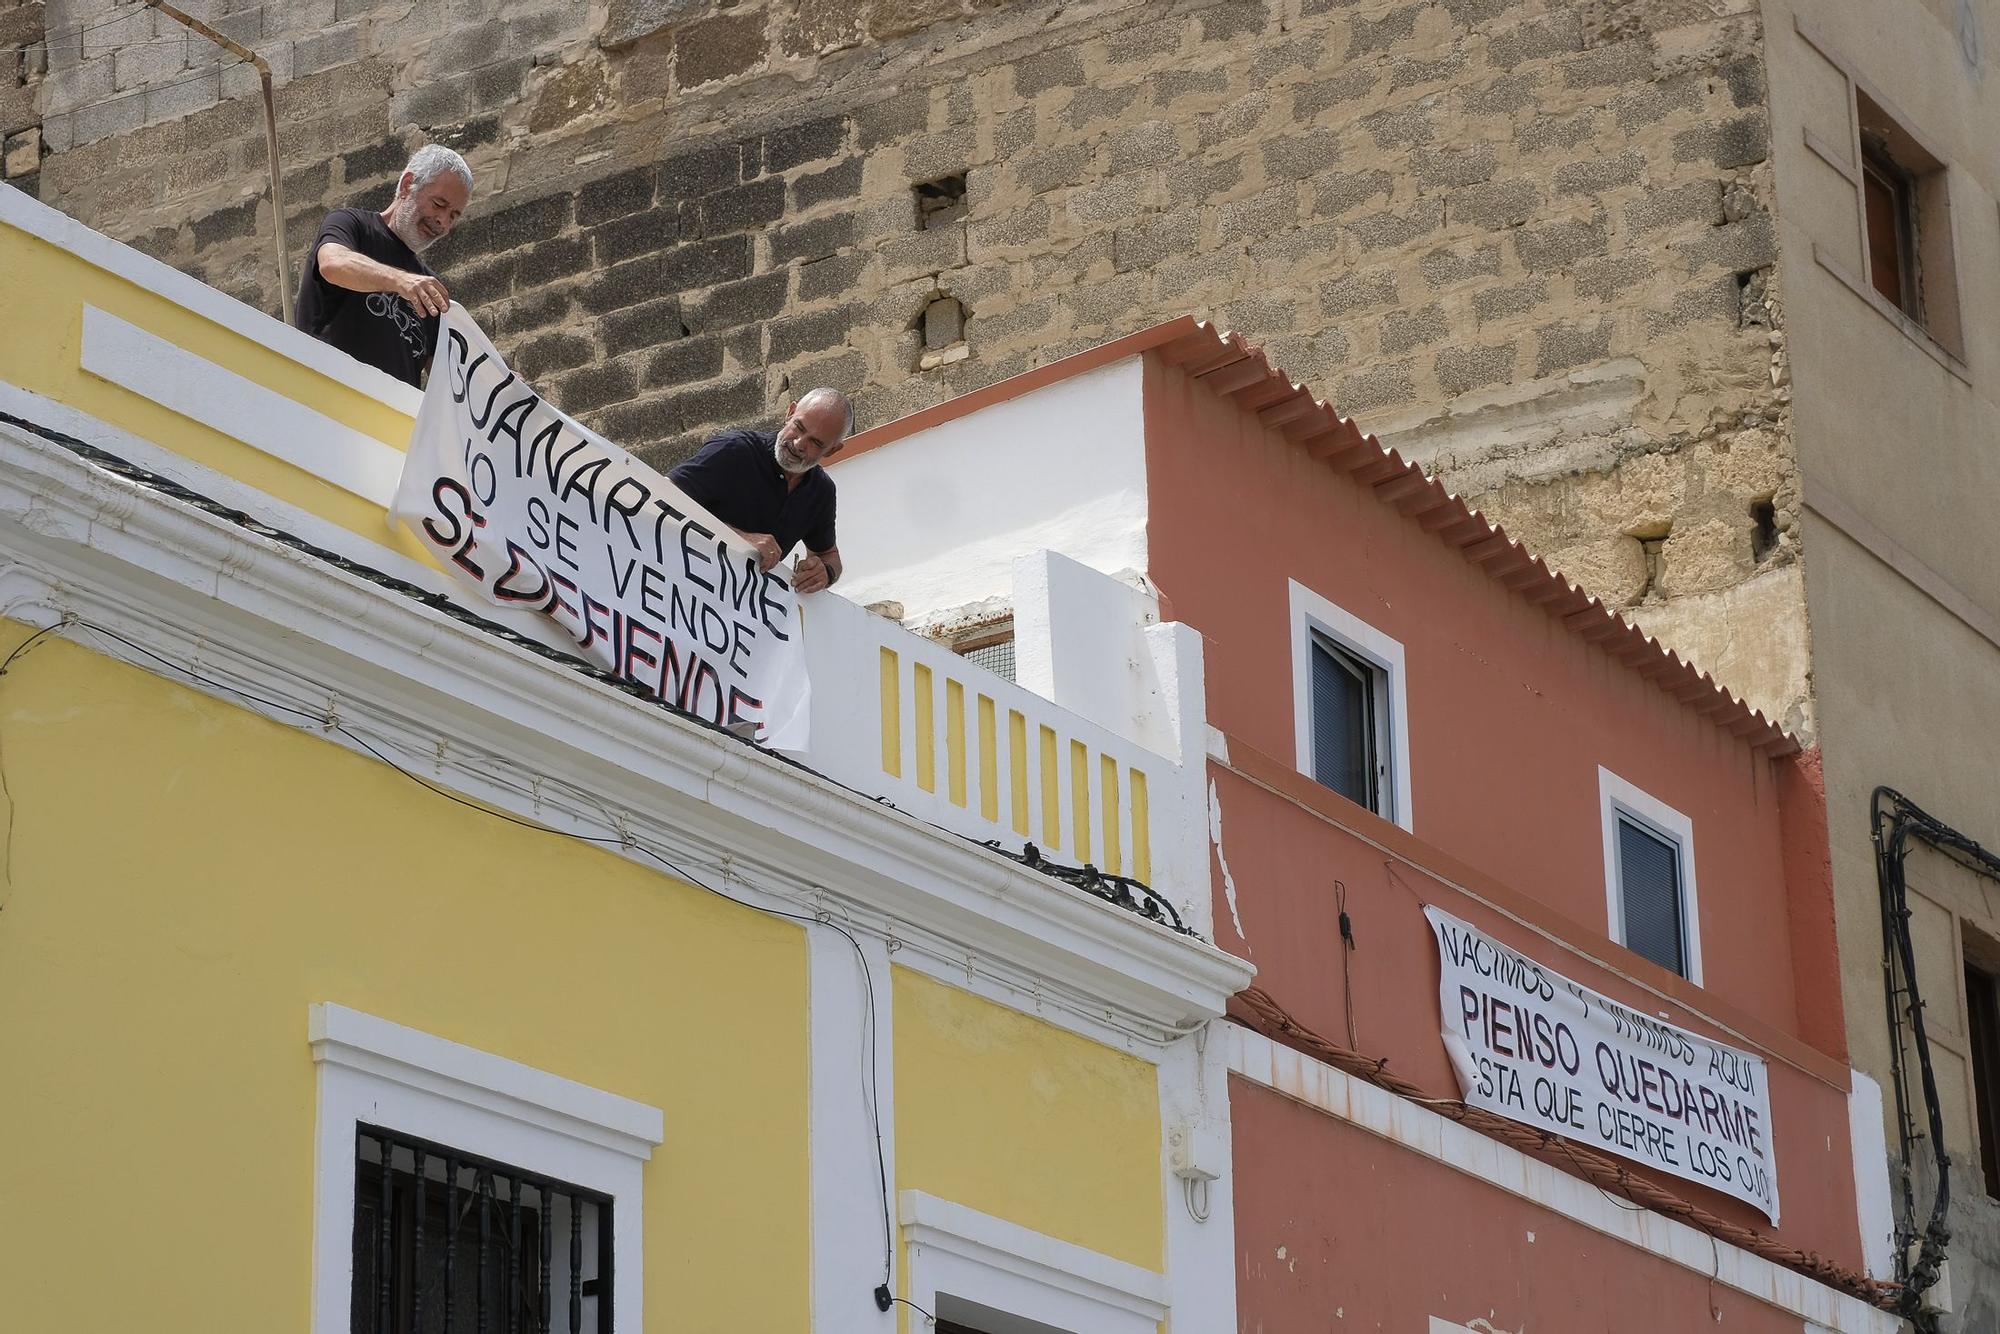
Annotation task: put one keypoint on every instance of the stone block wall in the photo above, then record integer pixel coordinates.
(1526, 240)
(23, 62)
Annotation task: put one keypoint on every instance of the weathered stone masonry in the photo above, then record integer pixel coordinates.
(1529, 242)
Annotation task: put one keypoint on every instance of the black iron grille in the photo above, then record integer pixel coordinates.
(447, 1242)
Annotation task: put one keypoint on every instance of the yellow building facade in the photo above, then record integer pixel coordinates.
(304, 867)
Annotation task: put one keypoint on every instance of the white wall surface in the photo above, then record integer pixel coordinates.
(935, 520)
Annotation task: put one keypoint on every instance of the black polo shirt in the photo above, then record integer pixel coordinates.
(378, 328)
(737, 478)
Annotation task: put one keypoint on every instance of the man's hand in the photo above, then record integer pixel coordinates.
(809, 574)
(766, 547)
(425, 294)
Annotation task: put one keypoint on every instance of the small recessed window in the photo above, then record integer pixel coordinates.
(1649, 877)
(1349, 697)
(1890, 197)
(1350, 715)
(1906, 223)
(1649, 884)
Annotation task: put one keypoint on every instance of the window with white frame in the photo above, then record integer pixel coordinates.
(454, 1188)
(1649, 881)
(1349, 706)
(985, 1275)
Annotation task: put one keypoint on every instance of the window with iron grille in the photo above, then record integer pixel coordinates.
(1649, 877)
(447, 1241)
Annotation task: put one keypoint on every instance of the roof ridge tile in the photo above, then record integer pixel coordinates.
(1230, 365)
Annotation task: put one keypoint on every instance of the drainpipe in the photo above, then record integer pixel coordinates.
(244, 53)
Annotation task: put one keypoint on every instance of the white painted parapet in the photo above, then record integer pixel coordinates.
(953, 744)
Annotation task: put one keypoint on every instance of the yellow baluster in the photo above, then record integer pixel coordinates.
(1079, 797)
(1142, 830)
(989, 763)
(892, 716)
(954, 740)
(926, 730)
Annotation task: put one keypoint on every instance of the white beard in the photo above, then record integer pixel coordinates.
(785, 464)
(406, 230)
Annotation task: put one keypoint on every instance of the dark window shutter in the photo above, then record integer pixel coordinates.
(1649, 882)
(1343, 724)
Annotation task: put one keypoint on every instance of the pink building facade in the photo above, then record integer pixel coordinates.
(1408, 712)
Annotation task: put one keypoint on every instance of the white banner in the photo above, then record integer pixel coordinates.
(1538, 1048)
(539, 512)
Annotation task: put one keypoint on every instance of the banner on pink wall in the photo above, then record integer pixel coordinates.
(1535, 1047)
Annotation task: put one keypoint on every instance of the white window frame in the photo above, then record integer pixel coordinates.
(1616, 797)
(1310, 614)
(1019, 1281)
(374, 1072)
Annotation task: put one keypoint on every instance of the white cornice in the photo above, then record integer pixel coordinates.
(533, 737)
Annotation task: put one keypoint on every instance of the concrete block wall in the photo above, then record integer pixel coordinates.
(23, 65)
(1532, 237)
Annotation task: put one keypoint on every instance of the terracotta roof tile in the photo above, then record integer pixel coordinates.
(1234, 368)
(1229, 365)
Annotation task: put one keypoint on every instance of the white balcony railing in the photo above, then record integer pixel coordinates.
(900, 716)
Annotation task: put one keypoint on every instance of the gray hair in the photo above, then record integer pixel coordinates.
(434, 160)
(814, 397)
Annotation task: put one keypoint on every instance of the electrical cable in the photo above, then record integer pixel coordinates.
(223, 65)
(320, 718)
(1347, 947)
(101, 49)
(1567, 947)
(77, 30)
(1115, 889)
(1120, 890)
(1255, 1009)
(885, 1300)
(1894, 821)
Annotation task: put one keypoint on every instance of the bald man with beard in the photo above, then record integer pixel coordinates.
(769, 486)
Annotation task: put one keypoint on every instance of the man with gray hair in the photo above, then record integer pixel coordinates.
(364, 290)
(769, 487)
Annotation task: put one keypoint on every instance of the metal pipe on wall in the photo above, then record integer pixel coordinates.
(263, 67)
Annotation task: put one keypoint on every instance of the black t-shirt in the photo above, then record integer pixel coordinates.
(379, 328)
(737, 477)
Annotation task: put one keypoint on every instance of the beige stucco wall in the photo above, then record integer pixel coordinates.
(1899, 455)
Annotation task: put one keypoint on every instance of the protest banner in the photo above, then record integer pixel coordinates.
(539, 512)
(1537, 1048)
